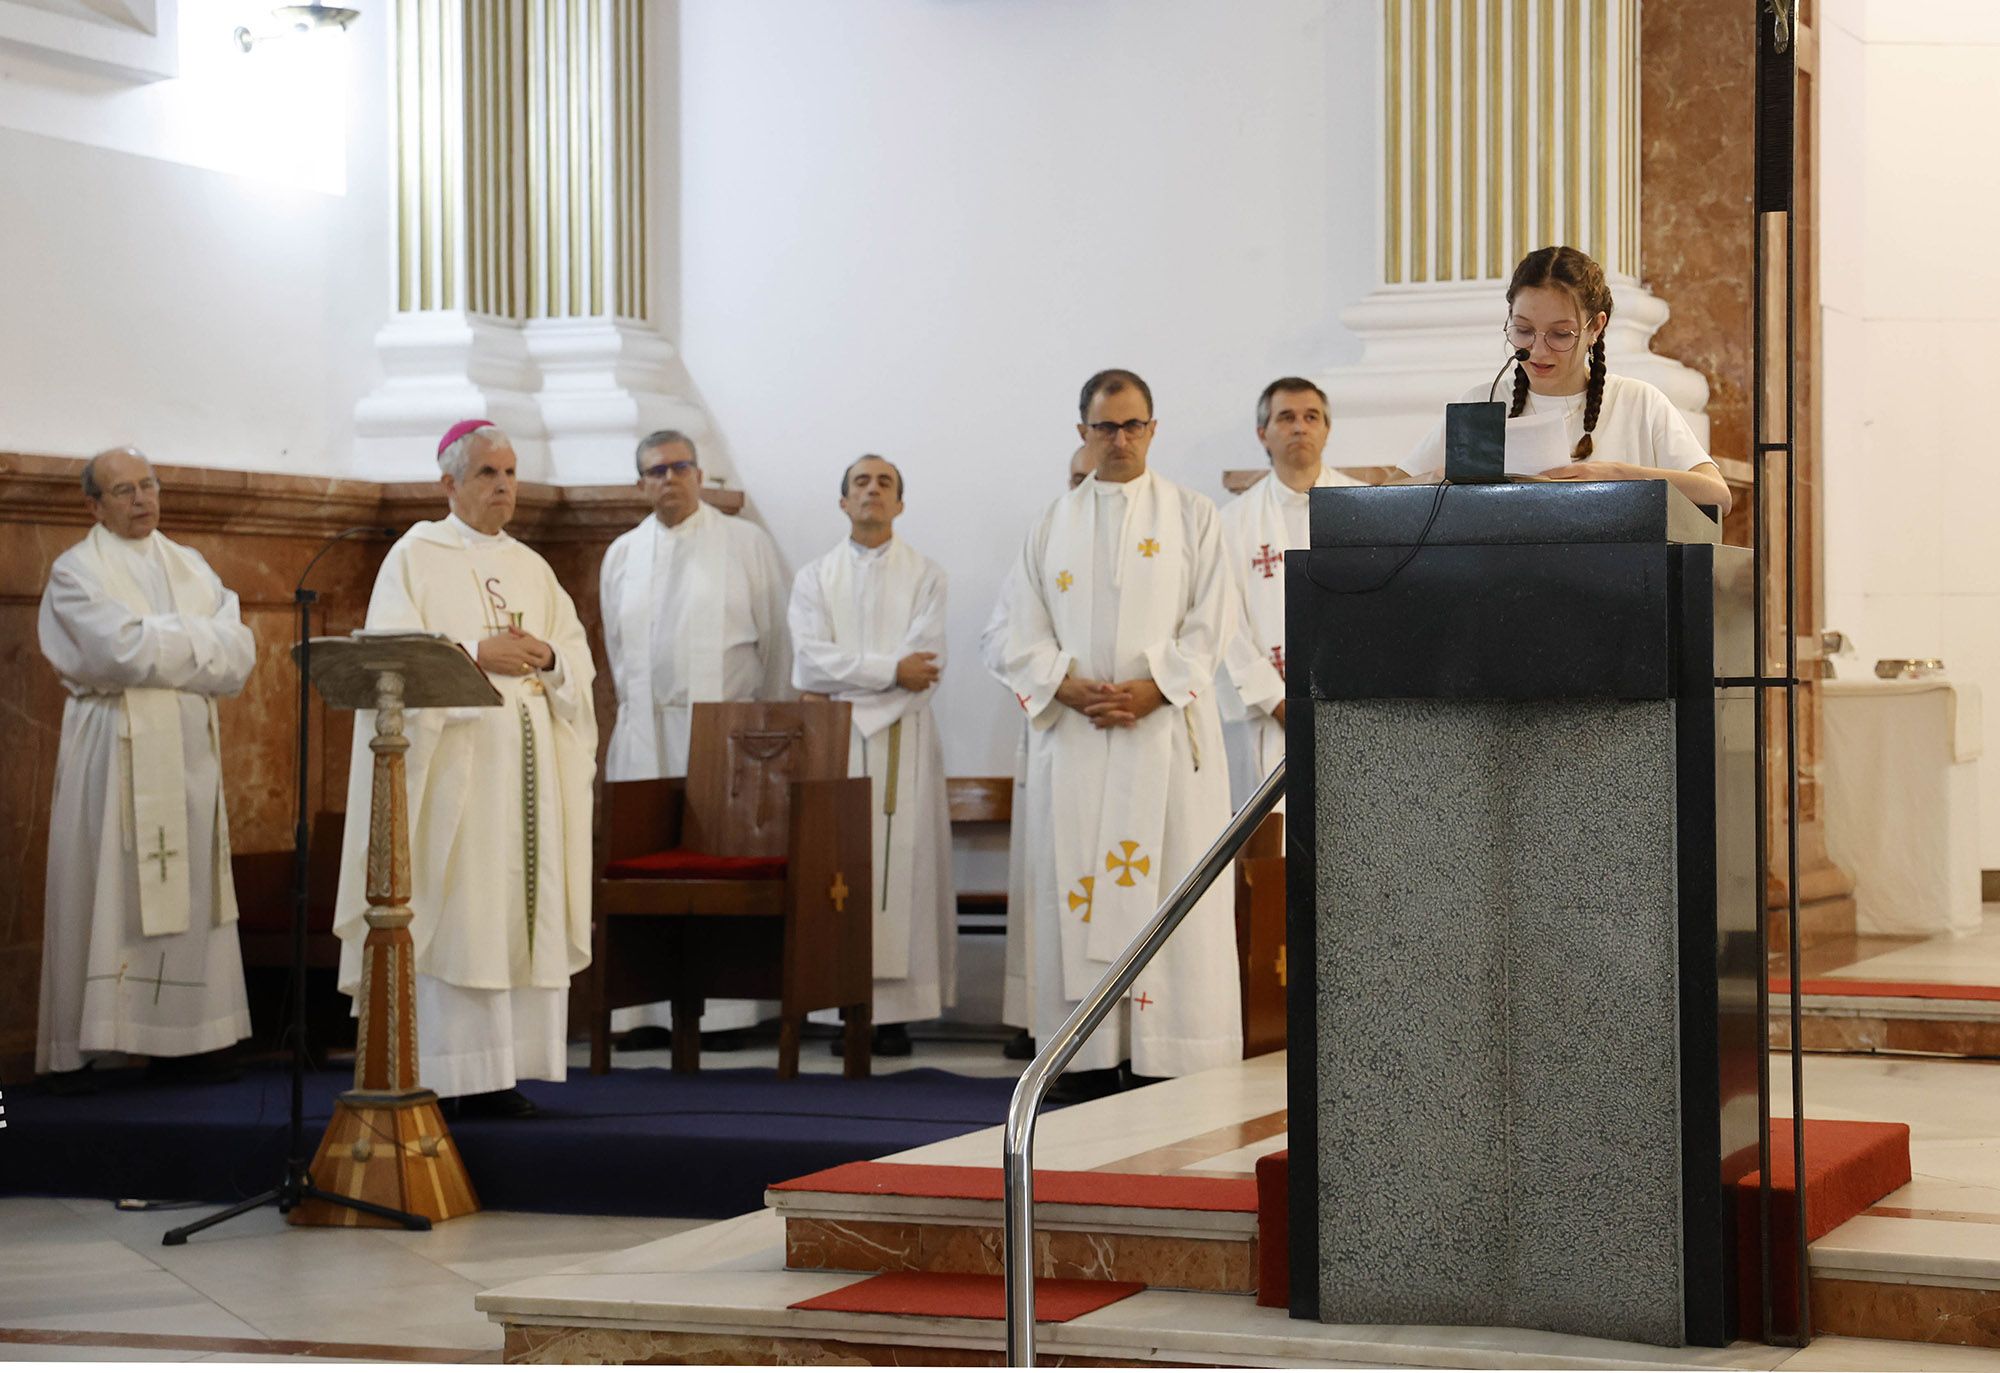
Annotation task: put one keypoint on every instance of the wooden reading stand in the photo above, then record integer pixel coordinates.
(388, 1142)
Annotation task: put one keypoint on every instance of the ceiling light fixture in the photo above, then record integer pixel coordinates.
(297, 19)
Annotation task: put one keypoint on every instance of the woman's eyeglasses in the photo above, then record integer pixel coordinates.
(1559, 340)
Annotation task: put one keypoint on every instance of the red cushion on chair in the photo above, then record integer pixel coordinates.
(691, 866)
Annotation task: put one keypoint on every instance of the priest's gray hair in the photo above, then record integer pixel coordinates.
(1287, 384)
(458, 455)
(660, 438)
(91, 489)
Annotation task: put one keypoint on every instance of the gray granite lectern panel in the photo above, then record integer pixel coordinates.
(1497, 1003)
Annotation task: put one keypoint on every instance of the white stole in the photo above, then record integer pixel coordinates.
(155, 772)
(889, 722)
(707, 585)
(1109, 858)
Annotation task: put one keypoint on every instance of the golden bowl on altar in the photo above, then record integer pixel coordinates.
(1909, 669)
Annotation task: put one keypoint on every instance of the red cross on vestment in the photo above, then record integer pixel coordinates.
(1267, 562)
(1142, 1001)
(1278, 658)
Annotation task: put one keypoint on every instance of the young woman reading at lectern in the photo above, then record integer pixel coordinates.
(1619, 428)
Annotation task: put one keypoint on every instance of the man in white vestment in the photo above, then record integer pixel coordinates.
(1257, 527)
(139, 944)
(499, 797)
(993, 653)
(1117, 614)
(868, 627)
(693, 605)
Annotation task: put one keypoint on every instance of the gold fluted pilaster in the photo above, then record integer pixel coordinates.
(520, 159)
(1507, 124)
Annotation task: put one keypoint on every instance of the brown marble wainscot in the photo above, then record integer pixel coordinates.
(1698, 167)
(257, 530)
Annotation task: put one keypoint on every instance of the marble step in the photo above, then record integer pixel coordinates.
(1910, 1272)
(1833, 1023)
(1192, 1234)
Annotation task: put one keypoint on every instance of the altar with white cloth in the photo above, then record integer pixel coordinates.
(1900, 780)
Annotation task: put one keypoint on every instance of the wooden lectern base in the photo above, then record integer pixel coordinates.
(394, 1151)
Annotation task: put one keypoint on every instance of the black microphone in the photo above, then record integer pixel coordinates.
(385, 531)
(1520, 356)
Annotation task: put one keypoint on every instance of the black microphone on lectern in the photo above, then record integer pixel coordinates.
(381, 530)
(1520, 356)
(1475, 434)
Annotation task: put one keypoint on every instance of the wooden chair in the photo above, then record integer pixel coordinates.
(1260, 937)
(750, 877)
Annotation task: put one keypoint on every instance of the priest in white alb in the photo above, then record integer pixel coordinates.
(868, 627)
(693, 604)
(993, 654)
(1257, 527)
(139, 944)
(1116, 618)
(499, 796)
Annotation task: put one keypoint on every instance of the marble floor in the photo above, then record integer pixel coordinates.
(727, 1282)
(1968, 959)
(82, 1280)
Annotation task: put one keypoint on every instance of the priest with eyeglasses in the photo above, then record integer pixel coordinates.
(1117, 611)
(139, 945)
(693, 603)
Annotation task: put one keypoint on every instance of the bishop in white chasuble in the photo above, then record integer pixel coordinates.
(139, 945)
(693, 604)
(1117, 612)
(499, 797)
(1257, 527)
(868, 627)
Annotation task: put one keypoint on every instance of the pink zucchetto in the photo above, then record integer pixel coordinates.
(459, 431)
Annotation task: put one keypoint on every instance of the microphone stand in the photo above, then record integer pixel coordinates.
(1520, 355)
(297, 1185)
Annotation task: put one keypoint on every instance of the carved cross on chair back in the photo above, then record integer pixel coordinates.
(743, 757)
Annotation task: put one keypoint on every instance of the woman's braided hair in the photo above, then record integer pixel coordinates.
(1575, 272)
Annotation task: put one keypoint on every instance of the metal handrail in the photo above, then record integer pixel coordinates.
(1018, 1162)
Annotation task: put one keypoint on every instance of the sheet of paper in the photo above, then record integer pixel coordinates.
(1535, 443)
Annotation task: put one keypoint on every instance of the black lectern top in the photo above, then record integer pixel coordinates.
(1508, 512)
(1531, 591)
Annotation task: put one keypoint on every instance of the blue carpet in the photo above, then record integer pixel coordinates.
(635, 1142)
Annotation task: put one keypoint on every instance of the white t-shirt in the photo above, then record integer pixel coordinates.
(1635, 424)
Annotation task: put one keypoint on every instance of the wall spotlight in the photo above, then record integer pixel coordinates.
(298, 19)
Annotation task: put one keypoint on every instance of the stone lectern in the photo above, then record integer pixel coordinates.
(1522, 909)
(388, 1142)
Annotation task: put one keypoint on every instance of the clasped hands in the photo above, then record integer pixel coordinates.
(514, 653)
(1111, 705)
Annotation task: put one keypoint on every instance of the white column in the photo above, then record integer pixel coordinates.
(1506, 125)
(521, 245)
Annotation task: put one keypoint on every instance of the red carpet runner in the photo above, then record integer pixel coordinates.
(967, 1296)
